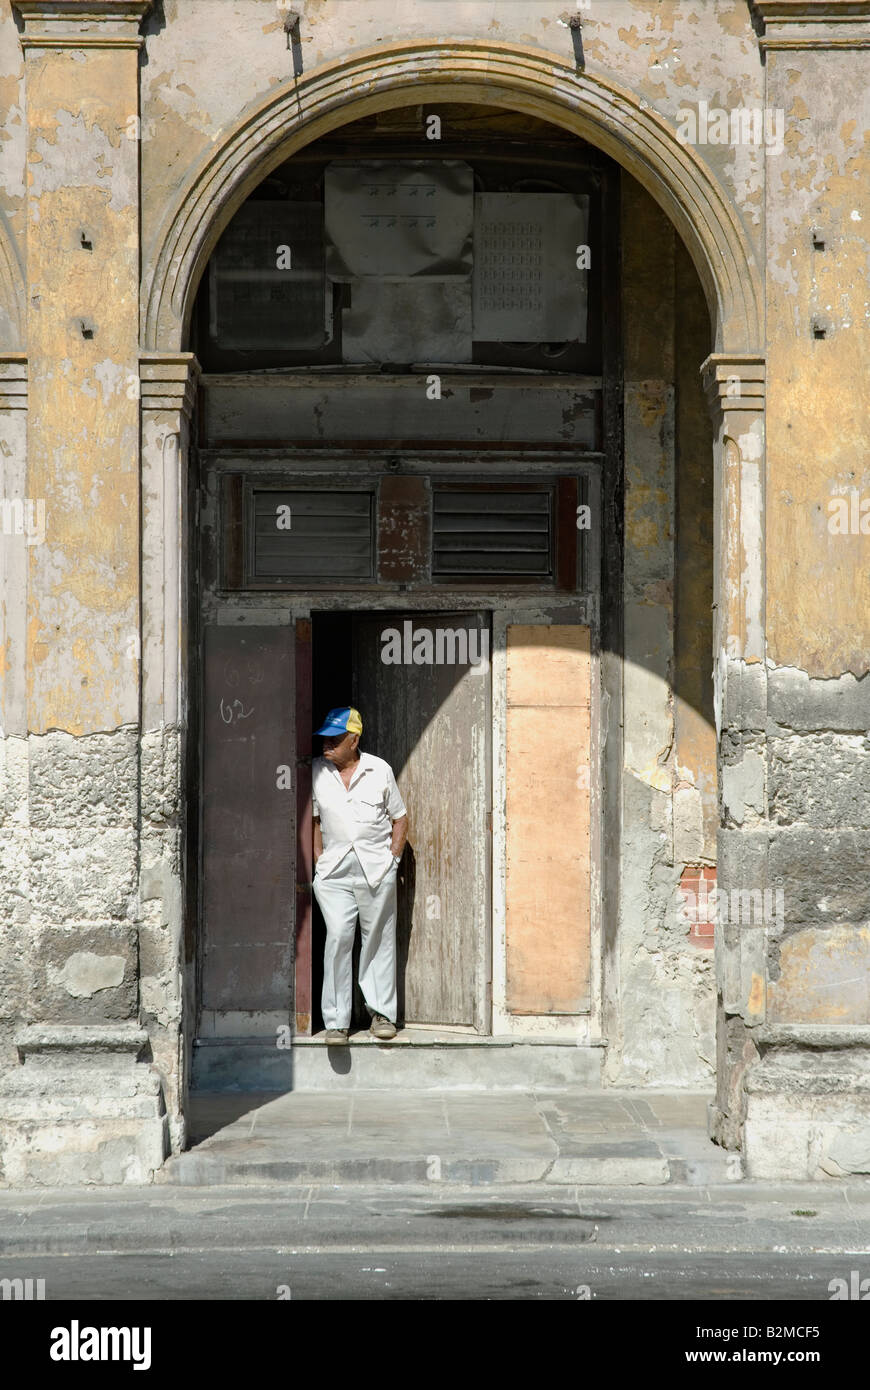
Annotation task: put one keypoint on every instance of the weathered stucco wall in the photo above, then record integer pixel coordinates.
(91, 869)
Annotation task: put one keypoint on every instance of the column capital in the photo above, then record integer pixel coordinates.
(733, 381)
(168, 381)
(812, 23)
(13, 381)
(82, 23)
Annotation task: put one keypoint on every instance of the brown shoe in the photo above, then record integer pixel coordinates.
(335, 1037)
(382, 1027)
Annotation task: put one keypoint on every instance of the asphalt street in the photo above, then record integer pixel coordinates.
(742, 1241)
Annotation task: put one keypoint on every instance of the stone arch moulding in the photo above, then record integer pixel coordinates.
(498, 74)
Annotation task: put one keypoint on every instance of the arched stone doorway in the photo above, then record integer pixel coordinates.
(504, 76)
(497, 74)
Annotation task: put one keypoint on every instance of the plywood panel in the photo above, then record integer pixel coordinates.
(548, 665)
(428, 721)
(548, 866)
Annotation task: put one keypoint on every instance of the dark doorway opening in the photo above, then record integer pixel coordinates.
(430, 721)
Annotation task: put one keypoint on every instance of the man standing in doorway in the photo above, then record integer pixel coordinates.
(360, 828)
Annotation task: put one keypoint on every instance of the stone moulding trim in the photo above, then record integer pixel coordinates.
(167, 381)
(819, 1035)
(51, 1038)
(81, 41)
(508, 75)
(107, 23)
(813, 23)
(13, 381)
(716, 374)
(83, 11)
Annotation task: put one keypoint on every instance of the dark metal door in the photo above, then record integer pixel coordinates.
(248, 818)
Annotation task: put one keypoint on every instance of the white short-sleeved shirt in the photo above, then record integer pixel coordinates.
(357, 817)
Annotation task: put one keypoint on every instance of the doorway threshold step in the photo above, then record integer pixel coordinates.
(418, 1059)
(419, 1138)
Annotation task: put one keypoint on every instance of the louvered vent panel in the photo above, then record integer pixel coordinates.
(492, 532)
(329, 536)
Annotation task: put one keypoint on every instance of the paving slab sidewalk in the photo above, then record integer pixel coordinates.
(622, 1138)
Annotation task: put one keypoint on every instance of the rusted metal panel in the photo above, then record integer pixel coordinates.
(304, 827)
(404, 529)
(248, 818)
(279, 408)
(428, 721)
(566, 533)
(547, 812)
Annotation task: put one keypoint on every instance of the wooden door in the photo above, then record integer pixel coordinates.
(430, 721)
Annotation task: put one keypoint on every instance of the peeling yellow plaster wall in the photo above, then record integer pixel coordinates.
(83, 449)
(818, 405)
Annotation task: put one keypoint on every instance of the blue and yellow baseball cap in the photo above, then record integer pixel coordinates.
(345, 720)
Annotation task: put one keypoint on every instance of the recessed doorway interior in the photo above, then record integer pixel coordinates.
(440, 465)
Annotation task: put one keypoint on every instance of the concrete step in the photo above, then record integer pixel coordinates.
(416, 1059)
(623, 1165)
(590, 1138)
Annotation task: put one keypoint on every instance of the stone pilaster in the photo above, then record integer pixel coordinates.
(735, 387)
(168, 389)
(81, 794)
(20, 529)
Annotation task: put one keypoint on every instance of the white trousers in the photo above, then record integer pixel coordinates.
(343, 896)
